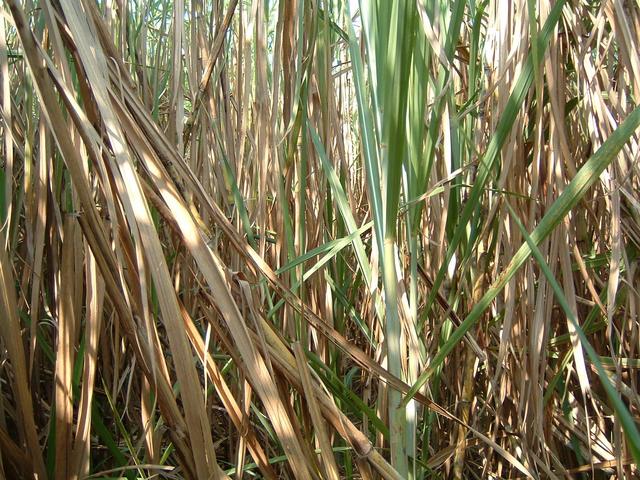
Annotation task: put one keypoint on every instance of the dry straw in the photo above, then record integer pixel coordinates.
(319, 239)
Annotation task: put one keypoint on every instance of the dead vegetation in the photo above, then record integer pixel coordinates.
(319, 239)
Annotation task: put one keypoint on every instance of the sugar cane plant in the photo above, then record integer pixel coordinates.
(317, 239)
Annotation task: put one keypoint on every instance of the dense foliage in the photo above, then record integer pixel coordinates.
(319, 239)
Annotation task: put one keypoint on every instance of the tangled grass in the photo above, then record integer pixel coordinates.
(319, 239)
